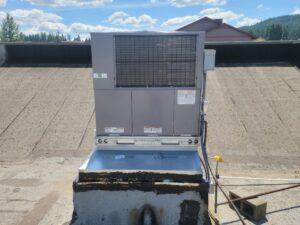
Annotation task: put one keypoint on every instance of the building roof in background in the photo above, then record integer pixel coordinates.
(218, 23)
(201, 20)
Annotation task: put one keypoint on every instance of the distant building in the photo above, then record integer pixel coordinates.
(216, 30)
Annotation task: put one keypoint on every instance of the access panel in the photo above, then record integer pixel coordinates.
(153, 112)
(113, 112)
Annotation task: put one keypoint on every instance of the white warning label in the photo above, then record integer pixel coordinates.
(100, 75)
(186, 97)
(114, 130)
(152, 130)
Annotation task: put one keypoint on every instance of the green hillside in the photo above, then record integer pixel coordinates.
(278, 28)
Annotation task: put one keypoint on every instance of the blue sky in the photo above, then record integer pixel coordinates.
(84, 16)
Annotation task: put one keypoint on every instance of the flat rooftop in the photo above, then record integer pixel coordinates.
(47, 129)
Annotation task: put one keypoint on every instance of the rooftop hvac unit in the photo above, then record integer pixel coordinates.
(148, 83)
(149, 96)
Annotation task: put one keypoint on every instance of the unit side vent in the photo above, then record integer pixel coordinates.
(155, 60)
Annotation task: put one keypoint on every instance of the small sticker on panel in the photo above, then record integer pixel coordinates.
(120, 157)
(186, 97)
(100, 75)
(152, 130)
(114, 130)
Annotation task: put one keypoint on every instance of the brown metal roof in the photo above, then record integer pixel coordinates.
(217, 21)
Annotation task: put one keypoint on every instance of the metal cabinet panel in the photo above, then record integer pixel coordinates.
(200, 59)
(103, 59)
(186, 113)
(113, 112)
(153, 112)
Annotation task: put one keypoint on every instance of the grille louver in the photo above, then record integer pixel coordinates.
(155, 61)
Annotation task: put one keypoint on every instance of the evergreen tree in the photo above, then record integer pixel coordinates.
(275, 32)
(77, 38)
(290, 28)
(285, 34)
(294, 34)
(68, 37)
(9, 29)
(43, 37)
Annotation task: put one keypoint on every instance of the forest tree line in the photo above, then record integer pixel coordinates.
(278, 28)
(10, 32)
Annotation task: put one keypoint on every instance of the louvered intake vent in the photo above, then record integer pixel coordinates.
(155, 61)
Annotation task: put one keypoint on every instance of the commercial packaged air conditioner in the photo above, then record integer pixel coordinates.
(148, 164)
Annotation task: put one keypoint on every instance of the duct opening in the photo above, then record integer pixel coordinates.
(147, 216)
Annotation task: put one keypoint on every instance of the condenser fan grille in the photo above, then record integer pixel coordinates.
(155, 61)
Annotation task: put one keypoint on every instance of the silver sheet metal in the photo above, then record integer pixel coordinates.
(145, 160)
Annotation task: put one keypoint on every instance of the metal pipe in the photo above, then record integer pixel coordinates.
(203, 127)
(261, 178)
(204, 153)
(260, 194)
(216, 221)
(227, 197)
(216, 187)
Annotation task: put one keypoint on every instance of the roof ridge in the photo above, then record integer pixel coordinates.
(196, 21)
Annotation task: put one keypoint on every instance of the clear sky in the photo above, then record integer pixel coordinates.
(84, 16)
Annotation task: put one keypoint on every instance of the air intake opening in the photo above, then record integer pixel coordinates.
(155, 61)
